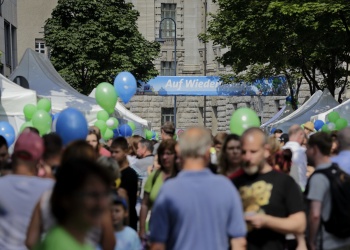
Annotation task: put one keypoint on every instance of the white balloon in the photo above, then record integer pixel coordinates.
(331, 126)
(110, 122)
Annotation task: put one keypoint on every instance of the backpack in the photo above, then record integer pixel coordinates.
(338, 223)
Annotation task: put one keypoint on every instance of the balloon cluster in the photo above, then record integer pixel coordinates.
(242, 119)
(107, 96)
(335, 122)
(151, 135)
(38, 116)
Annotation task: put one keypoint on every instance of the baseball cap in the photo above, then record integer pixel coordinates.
(284, 138)
(29, 146)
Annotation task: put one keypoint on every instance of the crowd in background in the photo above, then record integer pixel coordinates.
(282, 191)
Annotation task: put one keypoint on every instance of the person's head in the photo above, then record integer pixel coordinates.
(27, 153)
(144, 148)
(112, 167)
(133, 142)
(195, 144)
(52, 154)
(284, 138)
(119, 150)
(81, 194)
(318, 147)
(296, 134)
(167, 156)
(231, 153)
(255, 150)
(309, 128)
(31, 129)
(4, 154)
(219, 140)
(277, 133)
(335, 143)
(79, 150)
(93, 138)
(344, 139)
(167, 131)
(119, 211)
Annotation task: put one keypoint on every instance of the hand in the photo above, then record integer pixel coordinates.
(258, 221)
(142, 234)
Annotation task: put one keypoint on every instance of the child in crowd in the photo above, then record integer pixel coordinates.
(127, 238)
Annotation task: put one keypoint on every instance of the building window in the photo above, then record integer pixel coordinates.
(168, 26)
(40, 46)
(7, 30)
(167, 68)
(167, 115)
(14, 46)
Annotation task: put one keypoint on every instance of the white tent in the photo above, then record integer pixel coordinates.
(318, 103)
(343, 110)
(13, 99)
(125, 113)
(284, 112)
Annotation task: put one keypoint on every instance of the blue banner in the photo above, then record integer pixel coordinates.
(212, 86)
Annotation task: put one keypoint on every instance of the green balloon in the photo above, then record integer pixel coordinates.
(132, 126)
(106, 96)
(333, 116)
(325, 128)
(42, 121)
(149, 134)
(29, 110)
(112, 123)
(102, 115)
(108, 134)
(102, 126)
(26, 125)
(341, 123)
(44, 104)
(242, 119)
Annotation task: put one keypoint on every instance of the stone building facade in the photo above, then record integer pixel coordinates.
(193, 58)
(8, 36)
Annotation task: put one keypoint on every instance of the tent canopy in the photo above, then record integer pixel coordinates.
(343, 110)
(318, 103)
(13, 100)
(36, 72)
(284, 112)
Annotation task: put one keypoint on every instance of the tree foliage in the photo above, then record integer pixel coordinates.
(299, 39)
(91, 41)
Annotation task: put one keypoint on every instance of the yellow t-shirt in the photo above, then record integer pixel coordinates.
(153, 191)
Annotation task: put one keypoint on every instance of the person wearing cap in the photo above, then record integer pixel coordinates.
(309, 128)
(21, 190)
(167, 132)
(284, 138)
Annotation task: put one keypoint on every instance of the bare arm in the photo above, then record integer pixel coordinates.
(238, 243)
(143, 213)
(108, 240)
(314, 219)
(158, 246)
(34, 229)
(294, 223)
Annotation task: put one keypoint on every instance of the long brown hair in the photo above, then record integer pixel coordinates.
(167, 145)
(223, 160)
(133, 142)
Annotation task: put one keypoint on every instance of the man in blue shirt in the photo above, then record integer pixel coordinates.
(197, 209)
(343, 158)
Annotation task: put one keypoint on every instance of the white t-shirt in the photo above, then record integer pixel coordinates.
(18, 196)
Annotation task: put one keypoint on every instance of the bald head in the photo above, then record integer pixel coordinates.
(255, 134)
(296, 134)
(195, 143)
(344, 139)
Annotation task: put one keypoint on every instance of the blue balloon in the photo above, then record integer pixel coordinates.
(8, 132)
(71, 125)
(125, 130)
(154, 135)
(125, 85)
(116, 133)
(272, 130)
(318, 124)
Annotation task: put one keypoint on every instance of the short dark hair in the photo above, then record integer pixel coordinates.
(53, 145)
(120, 142)
(169, 128)
(3, 142)
(70, 178)
(79, 149)
(117, 200)
(278, 131)
(323, 141)
(148, 144)
(32, 129)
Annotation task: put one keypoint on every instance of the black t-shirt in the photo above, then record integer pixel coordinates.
(129, 182)
(273, 193)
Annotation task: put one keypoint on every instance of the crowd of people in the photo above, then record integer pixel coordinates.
(286, 190)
